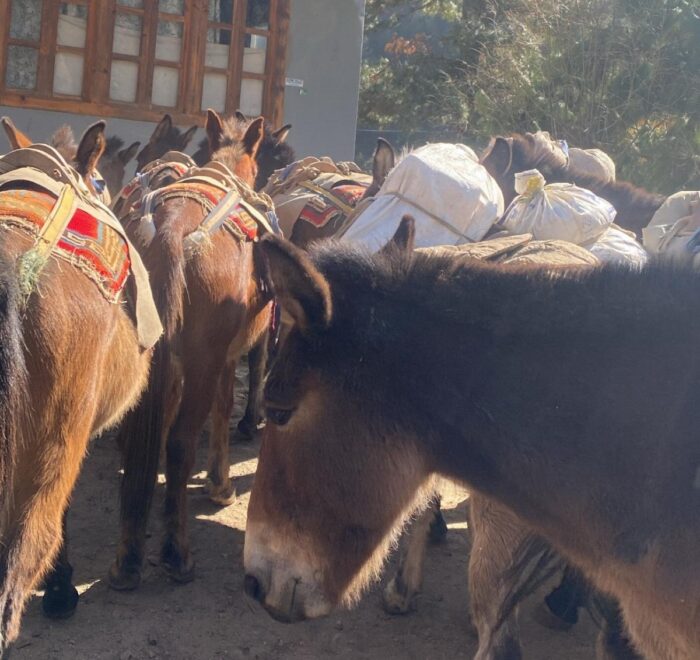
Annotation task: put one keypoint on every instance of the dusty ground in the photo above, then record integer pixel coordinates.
(212, 618)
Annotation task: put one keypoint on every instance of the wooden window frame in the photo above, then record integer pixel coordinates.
(98, 60)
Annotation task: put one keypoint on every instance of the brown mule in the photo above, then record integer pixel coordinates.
(506, 156)
(165, 137)
(207, 329)
(71, 366)
(440, 367)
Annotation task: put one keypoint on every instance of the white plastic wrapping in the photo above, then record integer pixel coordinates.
(558, 211)
(616, 245)
(452, 197)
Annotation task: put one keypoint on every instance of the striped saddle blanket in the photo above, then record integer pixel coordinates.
(95, 248)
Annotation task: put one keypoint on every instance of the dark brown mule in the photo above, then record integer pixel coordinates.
(213, 311)
(274, 152)
(71, 366)
(438, 367)
(165, 137)
(114, 162)
(505, 156)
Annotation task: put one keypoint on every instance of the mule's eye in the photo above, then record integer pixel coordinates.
(279, 416)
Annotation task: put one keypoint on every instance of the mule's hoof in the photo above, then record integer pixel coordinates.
(223, 495)
(123, 579)
(438, 529)
(545, 617)
(60, 600)
(178, 569)
(397, 599)
(246, 431)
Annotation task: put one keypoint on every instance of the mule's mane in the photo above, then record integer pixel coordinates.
(63, 140)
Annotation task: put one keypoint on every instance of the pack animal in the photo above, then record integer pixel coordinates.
(419, 356)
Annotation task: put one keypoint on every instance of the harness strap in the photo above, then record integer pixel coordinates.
(328, 195)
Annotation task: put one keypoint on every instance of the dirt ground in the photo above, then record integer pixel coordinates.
(212, 618)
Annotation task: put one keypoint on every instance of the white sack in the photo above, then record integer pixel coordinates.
(559, 211)
(593, 162)
(452, 197)
(673, 226)
(616, 245)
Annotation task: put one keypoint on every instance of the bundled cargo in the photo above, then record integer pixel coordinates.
(565, 212)
(674, 231)
(450, 194)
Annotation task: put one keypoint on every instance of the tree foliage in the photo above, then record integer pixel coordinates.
(622, 75)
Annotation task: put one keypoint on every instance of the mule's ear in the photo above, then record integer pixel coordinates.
(90, 149)
(160, 132)
(404, 238)
(383, 162)
(125, 155)
(253, 136)
(299, 288)
(281, 134)
(187, 136)
(18, 140)
(214, 128)
(241, 117)
(499, 155)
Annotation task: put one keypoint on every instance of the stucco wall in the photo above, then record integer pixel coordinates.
(325, 51)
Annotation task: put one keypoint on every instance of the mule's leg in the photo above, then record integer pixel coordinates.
(559, 611)
(140, 437)
(219, 483)
(247, 428)
(400, 594)
(201, 378)
(496, 535)
(60, 596)
(438, 526)
(31, 542)
(613, 641)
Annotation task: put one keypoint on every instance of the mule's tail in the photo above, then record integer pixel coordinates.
(12, 376)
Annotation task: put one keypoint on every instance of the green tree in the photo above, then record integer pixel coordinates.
(623, 75)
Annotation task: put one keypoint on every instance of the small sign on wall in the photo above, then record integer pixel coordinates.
(294, 82)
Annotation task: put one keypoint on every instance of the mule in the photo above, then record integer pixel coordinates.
(506, 156)
(114, 161)
(439, 367)
(274, 152)
(165, 137)
(71, 367)
(214, 310)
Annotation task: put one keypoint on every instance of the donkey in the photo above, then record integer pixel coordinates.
(71, 365)
(441, 367)
(505, 156)
(213, 311)
(274, 152)
(165, 137)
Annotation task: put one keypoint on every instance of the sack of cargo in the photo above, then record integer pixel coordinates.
(592, 162)
(616, 245)
(452, 197)
(559, 211)
(673, 231)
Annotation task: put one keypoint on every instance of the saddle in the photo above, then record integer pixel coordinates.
(317, 191)
(42, 195)
(227, 200)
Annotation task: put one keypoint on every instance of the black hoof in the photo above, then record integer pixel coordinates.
(60, 600)
(246, 431)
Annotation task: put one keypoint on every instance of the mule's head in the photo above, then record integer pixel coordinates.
(382, 163)
(114, 162)
(166, 137)
(274, 154)
(235, 144)
(337, 473)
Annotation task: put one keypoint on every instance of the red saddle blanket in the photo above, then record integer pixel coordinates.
(239, 222)
(90, 245)
(322, 209)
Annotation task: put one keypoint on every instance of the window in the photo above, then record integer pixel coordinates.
(140, 58)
